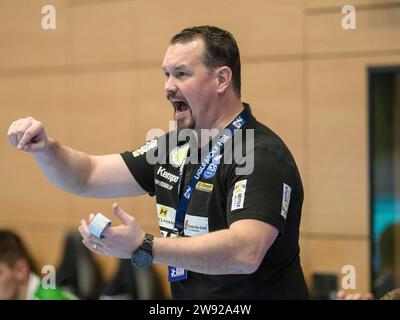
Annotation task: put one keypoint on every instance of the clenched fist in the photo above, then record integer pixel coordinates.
(28, 134)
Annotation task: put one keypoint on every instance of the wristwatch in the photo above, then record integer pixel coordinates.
(142, 257)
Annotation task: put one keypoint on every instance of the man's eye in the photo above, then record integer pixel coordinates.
(181, 74)
(166, 75)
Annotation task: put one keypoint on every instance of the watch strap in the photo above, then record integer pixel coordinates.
(148, 243)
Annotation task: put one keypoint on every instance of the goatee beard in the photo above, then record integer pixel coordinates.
(179, 128)
(187, 134)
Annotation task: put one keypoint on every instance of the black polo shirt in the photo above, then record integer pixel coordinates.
(270, 191)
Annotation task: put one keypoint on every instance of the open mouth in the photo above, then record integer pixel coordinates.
(180, 105)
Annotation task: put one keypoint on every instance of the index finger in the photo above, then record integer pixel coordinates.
(12, 135)
(29, 134)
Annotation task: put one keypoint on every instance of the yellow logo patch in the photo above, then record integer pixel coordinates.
(207, 187)
(163, 212)
(238, 195)
(178, 155)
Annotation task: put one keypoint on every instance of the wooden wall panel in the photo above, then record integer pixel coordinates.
(99, 110)
(26, 193)
(337, 136)
(377, 28)
(101, 33)
(337, 149)
(257, 24)
(150, 107)
(274, 91)
(23, 42)
(330, 255)
(326, 4)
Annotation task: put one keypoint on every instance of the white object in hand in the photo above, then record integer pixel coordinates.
(98, 225)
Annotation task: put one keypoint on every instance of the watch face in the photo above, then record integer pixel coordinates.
(142, 259)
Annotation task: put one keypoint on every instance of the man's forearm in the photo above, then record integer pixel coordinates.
(66, 168)
(220, 252)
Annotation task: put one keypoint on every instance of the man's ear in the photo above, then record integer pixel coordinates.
(224, 78)
(21, 270)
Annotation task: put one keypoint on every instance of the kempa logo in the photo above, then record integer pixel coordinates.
(169, 176)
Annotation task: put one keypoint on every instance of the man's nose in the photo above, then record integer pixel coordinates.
(170, 86)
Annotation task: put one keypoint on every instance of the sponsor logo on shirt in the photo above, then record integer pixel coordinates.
(239, 122)
(187, 192)
(167, 175)
(215, 149)
(238, 195)
(212, 168)
(178, 155)
(166, 216)
(195, 225)
(203, 186)
(143, 149)
(285, 200)
(163, 184)
(163, 212)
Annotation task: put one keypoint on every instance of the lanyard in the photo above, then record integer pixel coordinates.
(217, 148)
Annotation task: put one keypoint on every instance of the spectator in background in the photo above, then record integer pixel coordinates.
(18, 276)
(391, 295)
(385, 278)
(342, 295)
(386, 286)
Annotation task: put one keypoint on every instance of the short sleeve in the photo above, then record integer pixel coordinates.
(264, 193)
(140, 167)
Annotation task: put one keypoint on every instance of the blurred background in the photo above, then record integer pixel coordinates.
(332, 94)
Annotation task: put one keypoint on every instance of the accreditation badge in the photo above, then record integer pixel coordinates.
(176, 274)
